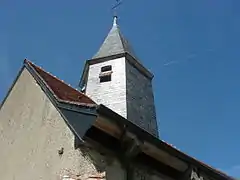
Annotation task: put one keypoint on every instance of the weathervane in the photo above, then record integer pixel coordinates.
(118, 3)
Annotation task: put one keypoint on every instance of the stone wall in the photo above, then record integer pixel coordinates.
(36, 142)
(140, 100)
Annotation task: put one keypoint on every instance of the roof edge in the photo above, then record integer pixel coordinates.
(137, 64)
(29, 64)
(144, 135)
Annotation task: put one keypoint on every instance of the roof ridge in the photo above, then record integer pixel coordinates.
(75, 91)
(120, 36)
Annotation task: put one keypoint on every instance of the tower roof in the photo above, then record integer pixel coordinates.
(114, 43)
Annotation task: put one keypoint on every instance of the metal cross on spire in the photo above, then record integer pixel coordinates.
(114, 8)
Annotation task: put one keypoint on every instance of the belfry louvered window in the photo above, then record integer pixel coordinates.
(105, 74)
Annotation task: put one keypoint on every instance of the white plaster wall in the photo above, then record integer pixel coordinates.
(113, 93)
(31, 133)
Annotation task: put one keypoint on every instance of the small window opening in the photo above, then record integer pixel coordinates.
(105, 78)
(106, 68)
(106, 74)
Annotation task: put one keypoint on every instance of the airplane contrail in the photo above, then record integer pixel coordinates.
(171, 62)
(189, 57)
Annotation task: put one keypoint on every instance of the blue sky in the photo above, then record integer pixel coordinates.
(192, 47)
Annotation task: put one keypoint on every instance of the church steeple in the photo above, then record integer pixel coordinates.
(115, 78)
(114, 43)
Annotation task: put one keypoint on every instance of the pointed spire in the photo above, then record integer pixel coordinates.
(115, 21)
(114, 43)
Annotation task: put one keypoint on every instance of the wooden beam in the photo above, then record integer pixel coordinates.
(108, 127)
(164, 157)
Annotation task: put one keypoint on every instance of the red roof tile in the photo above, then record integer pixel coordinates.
(60, 89)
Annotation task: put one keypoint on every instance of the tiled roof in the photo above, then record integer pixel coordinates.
(60, 89)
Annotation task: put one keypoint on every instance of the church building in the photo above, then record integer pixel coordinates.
(106, 129)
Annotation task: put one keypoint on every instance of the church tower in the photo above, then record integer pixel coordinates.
(115, 78)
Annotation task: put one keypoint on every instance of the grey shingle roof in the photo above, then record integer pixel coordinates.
(114, 43)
